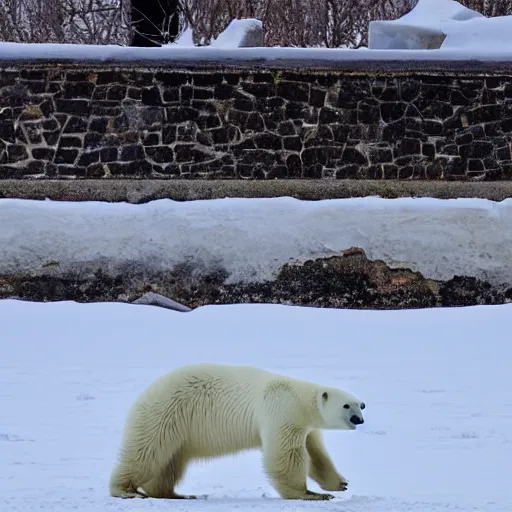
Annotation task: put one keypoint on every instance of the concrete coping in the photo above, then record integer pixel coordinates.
(143, 191)
(299, 60)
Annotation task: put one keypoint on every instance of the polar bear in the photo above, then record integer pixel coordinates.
(206, 410)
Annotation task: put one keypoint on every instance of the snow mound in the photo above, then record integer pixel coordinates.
(240, 34)
(185, 40)
(478, 33)
(424, 27)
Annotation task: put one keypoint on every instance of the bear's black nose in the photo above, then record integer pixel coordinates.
(356, 420)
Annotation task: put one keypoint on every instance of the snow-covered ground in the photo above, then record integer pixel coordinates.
(438, 431)
(252, 238)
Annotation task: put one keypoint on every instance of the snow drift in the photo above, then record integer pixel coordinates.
(444, 24)
(250, 239)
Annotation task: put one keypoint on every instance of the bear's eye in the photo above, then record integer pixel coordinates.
(325, 396)
(362, 406)
(346, 406)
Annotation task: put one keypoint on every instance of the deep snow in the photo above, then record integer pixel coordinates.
(438, 431)
(253, 238)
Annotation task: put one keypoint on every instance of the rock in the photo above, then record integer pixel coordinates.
(155, 299)
(469, 291)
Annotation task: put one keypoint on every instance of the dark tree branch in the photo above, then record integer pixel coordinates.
(155, 22)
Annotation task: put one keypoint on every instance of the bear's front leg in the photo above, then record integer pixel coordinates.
(285, 460)
(321, 467)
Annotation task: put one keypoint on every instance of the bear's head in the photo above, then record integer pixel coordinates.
(340, 410)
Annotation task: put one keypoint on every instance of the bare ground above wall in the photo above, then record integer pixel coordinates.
(349, 280)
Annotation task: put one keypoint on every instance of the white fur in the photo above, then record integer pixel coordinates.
(206, 410)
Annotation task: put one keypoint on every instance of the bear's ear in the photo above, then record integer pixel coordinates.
(325, 396)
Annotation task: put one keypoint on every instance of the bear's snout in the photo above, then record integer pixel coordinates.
(356, 420)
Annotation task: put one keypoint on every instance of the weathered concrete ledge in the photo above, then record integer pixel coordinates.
(143, 191)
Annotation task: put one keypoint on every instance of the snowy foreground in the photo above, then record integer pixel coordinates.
(438, 431)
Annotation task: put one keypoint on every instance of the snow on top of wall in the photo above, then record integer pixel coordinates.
(183, 53)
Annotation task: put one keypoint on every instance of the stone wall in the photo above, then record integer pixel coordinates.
(112, 121)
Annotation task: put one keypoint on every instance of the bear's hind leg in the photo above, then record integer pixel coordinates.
(321, 467)
(285, 460)
(121, 484)
(163, 485)
(137, 468)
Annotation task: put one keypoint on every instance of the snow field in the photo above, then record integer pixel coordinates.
(436, 382)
